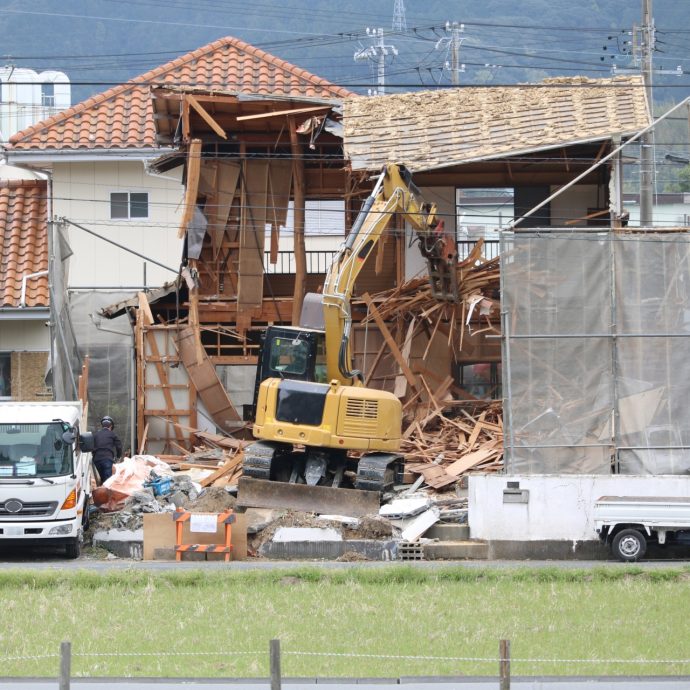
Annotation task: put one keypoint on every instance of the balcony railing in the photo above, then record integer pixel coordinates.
(319, 260)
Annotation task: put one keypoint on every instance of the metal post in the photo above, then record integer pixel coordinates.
(504, 664)
(275, 664)
(65, 663)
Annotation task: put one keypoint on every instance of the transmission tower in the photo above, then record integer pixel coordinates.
(377, 54)
(399, 21)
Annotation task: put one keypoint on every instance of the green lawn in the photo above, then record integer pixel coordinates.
(219, 623)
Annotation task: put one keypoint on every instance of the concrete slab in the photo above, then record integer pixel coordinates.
(444, 532)
(371, 549)
(420, 525)
(402, 508)
(306, 534)
(121, 542)
(456, 550)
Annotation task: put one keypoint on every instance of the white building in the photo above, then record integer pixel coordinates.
(27, 97)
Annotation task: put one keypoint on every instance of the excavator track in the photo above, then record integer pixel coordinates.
(258, 458)
(259, 487)
(378, 471)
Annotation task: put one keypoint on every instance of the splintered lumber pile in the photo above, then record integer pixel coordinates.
(443, 447)
(221, 454)
(478, 284)
(421, 339)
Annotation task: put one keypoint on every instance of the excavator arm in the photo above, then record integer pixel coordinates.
(393, 193)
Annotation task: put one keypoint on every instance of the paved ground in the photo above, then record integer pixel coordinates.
(43, 559)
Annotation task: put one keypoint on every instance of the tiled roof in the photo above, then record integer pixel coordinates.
(122, 117)
(427, 130)
(24, 242)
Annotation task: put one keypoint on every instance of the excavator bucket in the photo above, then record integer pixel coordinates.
(325, 500)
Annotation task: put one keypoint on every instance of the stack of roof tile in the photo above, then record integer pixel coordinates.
(24, 248)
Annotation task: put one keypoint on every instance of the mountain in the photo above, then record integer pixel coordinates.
(100, 42)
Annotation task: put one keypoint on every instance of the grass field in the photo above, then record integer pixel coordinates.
(197, 623)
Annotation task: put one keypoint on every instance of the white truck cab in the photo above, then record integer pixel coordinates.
(45, 474)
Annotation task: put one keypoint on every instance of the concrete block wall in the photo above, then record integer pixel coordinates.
(556, 508)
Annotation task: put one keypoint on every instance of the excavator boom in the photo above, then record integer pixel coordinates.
(393, 193)
(310, 424)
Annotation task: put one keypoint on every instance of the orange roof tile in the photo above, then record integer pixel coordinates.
(24, 245)
(122, 117)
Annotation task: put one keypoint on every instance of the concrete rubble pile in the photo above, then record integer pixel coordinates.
(278, 534)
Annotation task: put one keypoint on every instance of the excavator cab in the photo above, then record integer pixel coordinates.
(289, 353)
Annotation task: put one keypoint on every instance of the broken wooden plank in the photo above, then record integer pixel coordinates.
(229, 466)
(407, 372)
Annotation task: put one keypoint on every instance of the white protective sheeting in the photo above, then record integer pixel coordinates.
(596, 352)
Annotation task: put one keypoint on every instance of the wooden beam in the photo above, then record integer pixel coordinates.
(147, 320)
(205, 116)
(192, 188)
(229, 466)
(140, 374)
(278, 113)
(298, 219)
(397, 355)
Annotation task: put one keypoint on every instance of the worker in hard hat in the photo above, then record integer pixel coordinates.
(107, 448)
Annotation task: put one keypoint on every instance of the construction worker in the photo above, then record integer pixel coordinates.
(107, 448)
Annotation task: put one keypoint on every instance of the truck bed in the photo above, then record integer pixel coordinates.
(661, 511)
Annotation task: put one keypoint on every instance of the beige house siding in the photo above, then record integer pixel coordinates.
(81, 194)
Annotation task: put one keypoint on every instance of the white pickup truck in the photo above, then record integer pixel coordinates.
(45, 474)
(628, 523)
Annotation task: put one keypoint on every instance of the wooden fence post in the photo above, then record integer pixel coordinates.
(65, 664)
(504, 664)
(275, 664)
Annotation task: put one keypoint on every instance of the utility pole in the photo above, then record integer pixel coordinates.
(455, 41)
(647, 141)
(377, 53)
(399, 21)
(452, 45)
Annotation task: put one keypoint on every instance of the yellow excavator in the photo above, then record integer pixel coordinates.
(311, 408)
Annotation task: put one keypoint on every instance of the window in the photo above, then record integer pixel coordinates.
(5, 375)
(126, 205)
(34, 450)
(481, 380)
(48, 95)
(289, 356)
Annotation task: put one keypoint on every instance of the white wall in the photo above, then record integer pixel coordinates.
(665, 215)
(573, 203)
(81, 193)
(560, 506)
(24, 336)
(444, 198)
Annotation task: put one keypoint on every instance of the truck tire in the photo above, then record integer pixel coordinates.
(73, 548)
(629, 545)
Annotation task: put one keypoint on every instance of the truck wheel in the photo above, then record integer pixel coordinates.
(629, 545)
(73, 548)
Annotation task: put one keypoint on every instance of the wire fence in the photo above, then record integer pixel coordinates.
(498, 666)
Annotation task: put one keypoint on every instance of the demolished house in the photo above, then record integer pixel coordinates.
(246, 159)
(112, 220)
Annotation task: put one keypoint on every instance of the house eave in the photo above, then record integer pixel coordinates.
(48, 156)
(24, 313)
